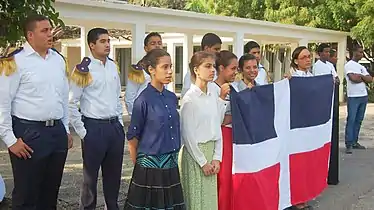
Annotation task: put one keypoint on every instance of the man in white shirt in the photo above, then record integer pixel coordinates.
(210, 43)
(99, 124)
(254, 48)
(34, 116)
(357, 77)
(139, 79)
(323, 66)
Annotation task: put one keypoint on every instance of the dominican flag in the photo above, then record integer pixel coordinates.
(281, 143)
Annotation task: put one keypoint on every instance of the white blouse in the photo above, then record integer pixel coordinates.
(298, 73)
(201, 118)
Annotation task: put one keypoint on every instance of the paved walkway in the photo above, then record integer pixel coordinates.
(355, 191)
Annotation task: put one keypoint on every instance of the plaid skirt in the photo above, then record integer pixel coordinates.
(155, 183)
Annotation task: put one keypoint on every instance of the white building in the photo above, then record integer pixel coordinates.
(182, 32)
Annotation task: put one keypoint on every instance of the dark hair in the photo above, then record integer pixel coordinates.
(295, 55)
(224, 58)
(355, 48)
(209, 40)
(152, 58)
(94, 34)
(332, 53)
(197, 59)
(250, 45)
(148, 37)
(322, 47)
(244, 58)
(30, 22)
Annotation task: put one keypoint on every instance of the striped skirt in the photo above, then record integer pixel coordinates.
(200, 191)
(155, 183)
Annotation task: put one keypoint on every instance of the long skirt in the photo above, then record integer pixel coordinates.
(225, 190)
(200, 191)
(155, 183)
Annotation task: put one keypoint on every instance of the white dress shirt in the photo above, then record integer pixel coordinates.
(201, 118)
(262, 77)
(321, 68)
(133, 90)
(100, 99)
(37, 91)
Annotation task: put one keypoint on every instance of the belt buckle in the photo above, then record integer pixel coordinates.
(49, 123)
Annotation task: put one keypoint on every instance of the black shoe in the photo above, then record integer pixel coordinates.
(348, 150)
(358, 146)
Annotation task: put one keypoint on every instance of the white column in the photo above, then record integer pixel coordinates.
(225, 46)
(342, 52)
(85, 49)
(293, 47)
(137, 49)
(238, 44)
(64, 50)
(112, 53)
(171, 51)
(187, 53)
(303, 42)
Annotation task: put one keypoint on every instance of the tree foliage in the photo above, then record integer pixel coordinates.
(14, 12)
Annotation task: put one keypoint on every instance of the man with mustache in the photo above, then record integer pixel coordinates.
(95, 85)
(34, 116)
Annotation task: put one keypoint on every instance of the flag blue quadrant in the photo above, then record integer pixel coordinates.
(309, 106)
(253, 113)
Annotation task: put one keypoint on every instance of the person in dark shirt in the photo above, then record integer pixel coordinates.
(154, 141)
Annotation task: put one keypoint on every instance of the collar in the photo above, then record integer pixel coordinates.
(199, 91)
(29, 50)
(155, 90)
(97, 61)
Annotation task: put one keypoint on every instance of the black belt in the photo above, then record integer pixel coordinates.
(48, 123)
(109, 120)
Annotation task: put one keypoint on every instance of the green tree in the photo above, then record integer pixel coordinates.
(14, 12)
(364, 30)
(171, 4)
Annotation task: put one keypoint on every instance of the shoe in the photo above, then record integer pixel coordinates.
(348, 150)
(358, 146)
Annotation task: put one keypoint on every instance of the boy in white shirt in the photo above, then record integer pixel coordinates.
(254, 48)
(323, 66)
(357, 76)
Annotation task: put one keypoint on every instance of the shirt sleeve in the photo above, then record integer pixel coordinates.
(224, 108)
(65, 119)
(186, 84)
(75, 95)
(119, 104)
(8, 89)
(350, 69)
(217, 155)
(188, 130)
(138, 119)
(132, 89)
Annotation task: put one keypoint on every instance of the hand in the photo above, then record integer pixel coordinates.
(225, 90)
(216, 166)
(287, 76)
(208, 169)
(70, 141)
(21, 150)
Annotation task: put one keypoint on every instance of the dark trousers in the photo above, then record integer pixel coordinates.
(37, 180)
(103, 146)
